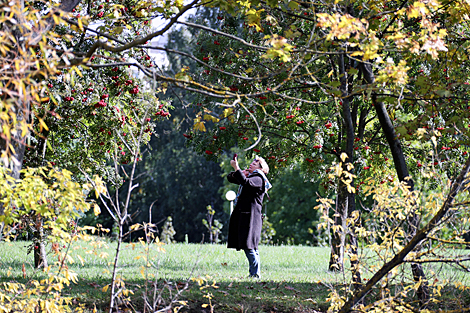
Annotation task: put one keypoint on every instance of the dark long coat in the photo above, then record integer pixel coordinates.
(244, 230)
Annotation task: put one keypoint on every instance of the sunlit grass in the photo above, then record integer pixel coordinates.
(179, 261)
(292, 276)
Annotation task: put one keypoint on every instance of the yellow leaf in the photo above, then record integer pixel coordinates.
(208, 117)
(56, 19)
(81, 260)
(343, 156)
(351, 189)
(227, 112)
(200, 126)
(24, 129)
(96, 209)
(77, 70)
(100, 188)
(70, 259)
(420, 132)
(248, 71)
(105, 288)
(43, 124)
(135, 226)
(357, 53)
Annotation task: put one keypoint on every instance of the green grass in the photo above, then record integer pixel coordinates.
(294, 278)
(290, 274)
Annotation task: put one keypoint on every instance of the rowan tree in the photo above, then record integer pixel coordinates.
(348, 54)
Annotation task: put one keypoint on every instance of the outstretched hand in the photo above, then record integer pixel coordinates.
(234, 164)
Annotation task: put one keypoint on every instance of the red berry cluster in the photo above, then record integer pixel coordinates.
(100, 104)
(162, 113)
(134, 90)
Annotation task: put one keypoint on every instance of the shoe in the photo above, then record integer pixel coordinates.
(253, 276)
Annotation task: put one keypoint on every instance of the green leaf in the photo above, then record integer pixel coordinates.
(444, 93)
(272, 3)
(353, 71)
(118, 30)
(293, 5)
(401, 130)
(421, 81)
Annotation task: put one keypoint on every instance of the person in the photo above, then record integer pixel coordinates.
(245, 225)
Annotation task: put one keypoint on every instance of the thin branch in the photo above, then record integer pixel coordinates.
(416, 240)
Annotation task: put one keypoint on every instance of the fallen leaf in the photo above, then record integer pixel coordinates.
(290, 288)
(94, 285)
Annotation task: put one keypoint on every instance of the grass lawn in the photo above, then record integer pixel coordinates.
(294, 278)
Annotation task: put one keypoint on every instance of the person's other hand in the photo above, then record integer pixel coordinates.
(246, 172)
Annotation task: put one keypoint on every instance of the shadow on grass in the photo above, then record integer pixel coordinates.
(262, 296)
(244, 295)
(239, 295)
(236, 296)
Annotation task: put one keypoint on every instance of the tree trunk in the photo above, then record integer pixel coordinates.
(40, 259)
(114, 295)
(345, 199)
(403, 175)
(353, 245)
(337, 244)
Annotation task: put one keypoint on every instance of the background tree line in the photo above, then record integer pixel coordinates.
(176, 181)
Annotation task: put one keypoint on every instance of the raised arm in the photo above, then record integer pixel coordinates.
(254, 181)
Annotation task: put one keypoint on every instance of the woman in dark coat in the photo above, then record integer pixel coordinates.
(246, 220)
